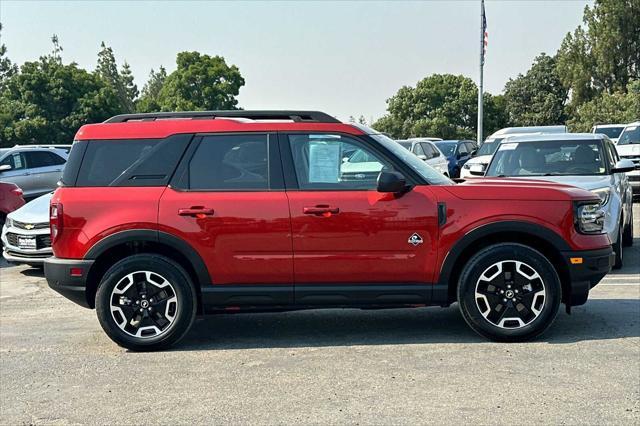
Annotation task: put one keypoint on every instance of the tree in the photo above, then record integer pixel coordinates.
(537, 98)
(201, 82)
(149, 98)
(619, 107)
(47, 101)
(7, 69)
(121, 82)
(441, 105)
(605, 55)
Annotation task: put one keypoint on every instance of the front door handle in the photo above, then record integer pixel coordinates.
(321, 210)
(196, 211)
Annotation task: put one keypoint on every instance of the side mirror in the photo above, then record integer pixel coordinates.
(477, 170)
(5, 167)
(623, 166)
(422, 157)
(391, 181)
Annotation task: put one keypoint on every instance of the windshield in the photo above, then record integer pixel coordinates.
(631, 135)
(3, 151)
(612, 132)
(447, 148)
(548, 158)
(489, 146)
(430, 174)
(405, 144)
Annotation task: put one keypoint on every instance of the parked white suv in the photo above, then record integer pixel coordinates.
(489, 146)
(427, 151)
(628, 147)
(611, 130)
(588, 161)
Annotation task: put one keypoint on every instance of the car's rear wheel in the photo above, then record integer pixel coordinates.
(627, 236)
(146, 302)
(509, 292)
(617, 248)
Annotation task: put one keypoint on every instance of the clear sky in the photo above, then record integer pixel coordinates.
(345, 58)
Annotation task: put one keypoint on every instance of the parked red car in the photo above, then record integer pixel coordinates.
(164, 216)
(10, 200)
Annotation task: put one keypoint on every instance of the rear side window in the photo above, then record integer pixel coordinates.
(42, 159)
(131, 162)
(230, 162)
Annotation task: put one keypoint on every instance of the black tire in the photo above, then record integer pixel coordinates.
(618, 249)
(183, 308)
(545, 286)
(627, 236)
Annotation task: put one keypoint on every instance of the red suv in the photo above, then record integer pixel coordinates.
(161, 217)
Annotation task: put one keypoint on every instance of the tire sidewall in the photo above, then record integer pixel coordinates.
(172, 272)
(501, 252)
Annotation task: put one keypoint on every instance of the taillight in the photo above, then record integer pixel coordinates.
(17, 191)
(55, 220)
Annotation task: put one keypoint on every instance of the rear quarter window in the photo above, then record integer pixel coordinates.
(130, 162)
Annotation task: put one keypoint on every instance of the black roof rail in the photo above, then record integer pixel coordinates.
(296, 116)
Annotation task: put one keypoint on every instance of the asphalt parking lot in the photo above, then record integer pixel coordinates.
(322, 367)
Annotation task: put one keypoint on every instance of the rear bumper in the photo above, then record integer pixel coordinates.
(586, 271)
(58, 274)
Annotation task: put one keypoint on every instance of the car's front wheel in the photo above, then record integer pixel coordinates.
(509, 292)
(146, 302)
(618, 248)
(627, 236)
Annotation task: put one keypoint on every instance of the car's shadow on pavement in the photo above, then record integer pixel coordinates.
(599, 319)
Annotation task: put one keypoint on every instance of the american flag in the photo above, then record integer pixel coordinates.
(485, 40)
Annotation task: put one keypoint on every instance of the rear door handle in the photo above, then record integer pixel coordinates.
(321, 210)
(196, 211)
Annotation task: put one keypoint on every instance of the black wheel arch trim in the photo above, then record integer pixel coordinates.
(520, 227)
(154, 236)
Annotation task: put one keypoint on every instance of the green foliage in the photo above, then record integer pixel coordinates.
(537, 98)
(7, 69)
(619, 107)
(121, 82)
(149, 98)
(605, 56)
(442, 105)
(201, 82)
(47, 101)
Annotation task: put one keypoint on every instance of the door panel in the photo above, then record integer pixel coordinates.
(367, 241)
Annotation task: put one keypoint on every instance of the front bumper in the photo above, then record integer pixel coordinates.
(586, 269)
(58, 274)
(15, 254)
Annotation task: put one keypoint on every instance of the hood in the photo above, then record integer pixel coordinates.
(629, 149)
(481, 159)
(36, 211)
(585, 182)
(518, 189)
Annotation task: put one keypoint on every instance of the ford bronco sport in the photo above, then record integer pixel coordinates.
(160, 217)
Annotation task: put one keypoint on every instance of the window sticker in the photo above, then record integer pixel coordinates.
(17, 161)
(508, 146)
(632, 127)
(324, 162)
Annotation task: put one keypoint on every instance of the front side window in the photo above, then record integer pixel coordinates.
(447, 148)
(417, 150)
(16, 161)
(335, 162)
(462, 149)
(630, 135)
(489, 146)
(230, 162)
(549, 158)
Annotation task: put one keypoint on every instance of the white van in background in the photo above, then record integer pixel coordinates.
(485, 152)
(611, 130)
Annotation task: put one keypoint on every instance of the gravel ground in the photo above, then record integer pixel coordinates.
(321, 367)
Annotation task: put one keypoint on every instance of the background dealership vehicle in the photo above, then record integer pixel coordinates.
(10, 199)
(162, 216)
(612, 131)
(35, 169)
(585, 160)
(25, 235)
(458, 152)
(628, 147)
(428, 152)
(489, 146)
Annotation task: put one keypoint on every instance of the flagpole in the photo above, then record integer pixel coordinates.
(480, 86)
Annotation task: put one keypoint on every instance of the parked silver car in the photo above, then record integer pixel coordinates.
(35, 169)
(585, 160)
(428, 152)
(25, 235)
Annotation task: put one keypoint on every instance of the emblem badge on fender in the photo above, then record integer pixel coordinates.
(415, 239)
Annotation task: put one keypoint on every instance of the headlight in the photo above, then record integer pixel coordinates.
(589, 218)
(8, 223)
(604, 194)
